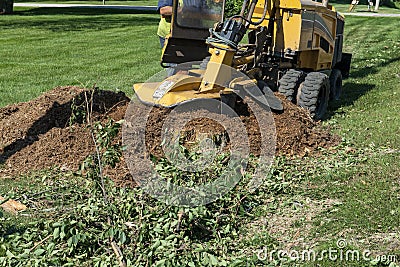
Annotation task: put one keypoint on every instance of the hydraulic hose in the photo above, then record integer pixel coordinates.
(263, 15)
(218, 38)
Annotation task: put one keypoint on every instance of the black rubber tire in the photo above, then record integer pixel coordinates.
(313, 94)
(289, 83)
(336, 84)
(229, 99)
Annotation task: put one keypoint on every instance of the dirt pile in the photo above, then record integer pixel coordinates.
(40, 133)
(48, 131)
(297, 134)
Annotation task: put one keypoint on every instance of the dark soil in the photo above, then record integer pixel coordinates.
(40, 134)
(297, 134)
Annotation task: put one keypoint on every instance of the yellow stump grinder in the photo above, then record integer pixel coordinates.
(290, 46)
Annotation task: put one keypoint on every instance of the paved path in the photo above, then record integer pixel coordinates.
(370, 14)
(140, 8)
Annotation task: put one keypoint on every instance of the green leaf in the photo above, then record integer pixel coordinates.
(156, 244)
(374, 262)
(122, 238)
(213, 259)
(69, 242)
(62, 232)
(160, 262)
(56, 233)
(9, 254)
(199, 248)
(50, 247)
(57, 224)
(39, 252)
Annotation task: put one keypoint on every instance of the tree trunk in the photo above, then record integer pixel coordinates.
(6, 6)
(377, 5)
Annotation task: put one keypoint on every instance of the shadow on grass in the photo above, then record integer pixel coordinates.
(79, 11)
(370, 70)
(79, 19)
(353, 91)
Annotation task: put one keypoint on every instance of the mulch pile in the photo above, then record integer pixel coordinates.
(40, 133)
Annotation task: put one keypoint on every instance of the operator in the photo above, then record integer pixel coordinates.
(370, 4)
(164, 27)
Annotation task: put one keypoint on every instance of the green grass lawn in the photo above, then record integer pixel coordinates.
(352, 192)
(47, 47)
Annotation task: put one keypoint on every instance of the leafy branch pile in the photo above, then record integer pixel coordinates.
(146, 231)
(91, 222)
(84, 219)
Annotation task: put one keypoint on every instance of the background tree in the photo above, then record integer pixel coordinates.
(6, 6)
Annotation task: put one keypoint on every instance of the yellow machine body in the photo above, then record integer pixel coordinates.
(173, 90)
(290, 34)
(304, 27)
